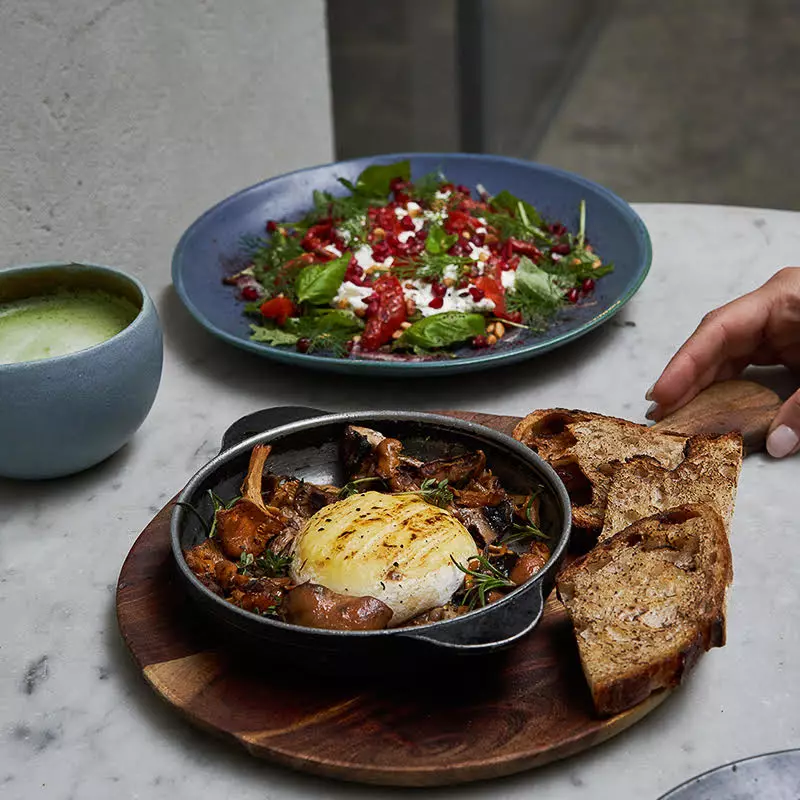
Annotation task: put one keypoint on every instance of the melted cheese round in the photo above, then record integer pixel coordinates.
(397, 549)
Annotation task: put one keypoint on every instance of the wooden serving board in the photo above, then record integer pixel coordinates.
(533, 707)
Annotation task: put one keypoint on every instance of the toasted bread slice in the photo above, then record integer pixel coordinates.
(646, 603)
(709, 473)
(582, 446)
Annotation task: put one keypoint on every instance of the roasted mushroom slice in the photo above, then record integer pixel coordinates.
(248, 525)
(317, 607)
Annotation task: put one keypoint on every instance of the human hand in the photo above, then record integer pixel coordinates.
(763, 328)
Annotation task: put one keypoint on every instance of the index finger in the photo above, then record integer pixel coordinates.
(726, 337)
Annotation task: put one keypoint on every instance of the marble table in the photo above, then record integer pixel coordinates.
(77, 719)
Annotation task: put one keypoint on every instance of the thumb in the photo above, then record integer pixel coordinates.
(784, 433)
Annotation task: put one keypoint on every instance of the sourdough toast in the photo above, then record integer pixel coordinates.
(646, 603)
(708, 473)
(584, 447)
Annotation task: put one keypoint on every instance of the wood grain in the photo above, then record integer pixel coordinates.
(728, 406)
(528, 708)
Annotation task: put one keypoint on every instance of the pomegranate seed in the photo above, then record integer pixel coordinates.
(572, 295)
(561, 249)
(480, 341)
(477, 239)
(437, 302)
(515, 316)
(587, 286)
(397, 184)
(557, 229)
(250, 293)
(407, 223)
(438, 289)
(303, 345)
(463, 283)
(380, 251)
(272, 226)
(463, 189)
(477, 294)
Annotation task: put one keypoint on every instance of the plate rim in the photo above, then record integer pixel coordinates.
(365, 366)
(673, 794)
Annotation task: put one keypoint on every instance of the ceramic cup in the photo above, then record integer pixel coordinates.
(63, 414)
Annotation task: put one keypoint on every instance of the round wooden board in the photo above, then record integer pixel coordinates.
(482, 721)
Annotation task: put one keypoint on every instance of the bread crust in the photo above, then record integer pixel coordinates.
(708, 473)
(619, 674)
(584, 448)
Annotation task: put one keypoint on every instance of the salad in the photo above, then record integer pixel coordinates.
(402, 269)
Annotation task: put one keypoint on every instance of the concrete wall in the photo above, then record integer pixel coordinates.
(121, 121)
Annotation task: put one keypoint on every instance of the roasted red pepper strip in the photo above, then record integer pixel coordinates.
(493, 289)
(278, 308)
(388, 314)
(523, 249)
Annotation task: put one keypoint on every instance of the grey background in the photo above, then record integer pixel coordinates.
(122, 121)
(676, 101)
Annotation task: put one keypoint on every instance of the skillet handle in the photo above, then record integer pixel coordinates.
(493, 629)
(264, 420)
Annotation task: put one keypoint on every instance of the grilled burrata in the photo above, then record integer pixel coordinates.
(397, 549)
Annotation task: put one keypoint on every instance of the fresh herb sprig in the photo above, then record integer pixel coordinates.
(217, 503)
(522, 532)
(352, 487)
(436, 494)
(478, 583)
(273, 565)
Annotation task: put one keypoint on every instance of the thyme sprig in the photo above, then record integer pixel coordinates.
(218, 505)
(480, 582)
(521, 532)
(351, 488)
(437, 494)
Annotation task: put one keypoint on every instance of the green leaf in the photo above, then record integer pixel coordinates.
(273, 336)
(510, 203)
(324, 321)
(537, 283)
(374, 181)
(442, 330)
(439, 241)
(318, 283)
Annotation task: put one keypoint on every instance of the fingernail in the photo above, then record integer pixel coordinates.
(651, 411)
(782, 441)
(649, 393)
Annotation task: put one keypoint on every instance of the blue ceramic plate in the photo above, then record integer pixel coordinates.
(773, 776)
(207, 250)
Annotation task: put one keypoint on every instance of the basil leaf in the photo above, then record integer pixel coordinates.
(273, 336)
(439, 241)
(441, 330)
(318, 283)
(509, 202)
(335, 319)
(536, 284)
(374, 181)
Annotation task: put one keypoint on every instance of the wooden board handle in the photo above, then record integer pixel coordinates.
(728, 406)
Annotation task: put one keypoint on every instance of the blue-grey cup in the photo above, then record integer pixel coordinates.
(64, 414)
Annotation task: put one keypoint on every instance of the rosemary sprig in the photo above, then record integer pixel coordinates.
(351, 488)
(480, 582)
(437, 494)
(218, 505)
(522, 533)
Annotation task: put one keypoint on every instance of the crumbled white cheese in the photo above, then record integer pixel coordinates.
(404, 236)
(413, 208)
(480, 230)
(364, 257)
(400, 212)
(352, 294)
(331, 248)
(508, 277)
(442, 195)
(451, 271)
(453, 300)
(478, 253)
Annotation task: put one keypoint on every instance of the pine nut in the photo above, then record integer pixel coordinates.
(449, 283)
(491, 339)
(357, 338)
(483, 256)
(490, 327)
(379, 234)
(466, 234)
(343, 304)
(360, 312)
(397, 334)
(405, 325)
(499, 330)
(596, 263)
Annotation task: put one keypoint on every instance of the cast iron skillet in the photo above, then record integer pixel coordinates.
(306, 445)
